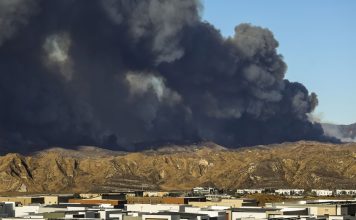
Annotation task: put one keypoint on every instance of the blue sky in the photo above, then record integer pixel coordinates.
(317, 39)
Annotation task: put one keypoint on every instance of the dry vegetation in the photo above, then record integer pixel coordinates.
(299, 165)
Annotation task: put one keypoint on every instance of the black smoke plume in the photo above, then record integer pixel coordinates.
(120, 73)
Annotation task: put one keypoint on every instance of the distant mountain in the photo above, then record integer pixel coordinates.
(298, 165)
(80, 152)
(346, 133)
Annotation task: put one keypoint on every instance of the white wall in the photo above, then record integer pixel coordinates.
(346, 191)
(154, 208)
(105, 214)
(116, 216)
(43, 209)
(25, 210)
(169, 217)
(77, 208)
(191, 209)
(323, 192)
(256, 215)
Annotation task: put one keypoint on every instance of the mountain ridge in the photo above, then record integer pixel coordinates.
(302, 164)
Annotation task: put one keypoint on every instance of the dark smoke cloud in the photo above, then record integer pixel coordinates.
(125, 73)
(13, 15)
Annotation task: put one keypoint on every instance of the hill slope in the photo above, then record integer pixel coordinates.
(300, 164)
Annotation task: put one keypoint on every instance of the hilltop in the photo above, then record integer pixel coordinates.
(300, 164)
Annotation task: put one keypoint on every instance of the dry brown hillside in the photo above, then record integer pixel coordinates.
(300, 164)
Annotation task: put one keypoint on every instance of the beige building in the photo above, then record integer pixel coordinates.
(99, 196)
(56, 199)
(155, 194)
(233, 203)
(41, 199)
(24, 200)
(90, 195)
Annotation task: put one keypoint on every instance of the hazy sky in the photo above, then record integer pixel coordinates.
(317, 39)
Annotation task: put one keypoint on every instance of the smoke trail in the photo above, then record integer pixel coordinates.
(123, 73)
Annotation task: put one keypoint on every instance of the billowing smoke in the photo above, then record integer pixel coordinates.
(345, 133)
(126, 73)
(13, 15)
